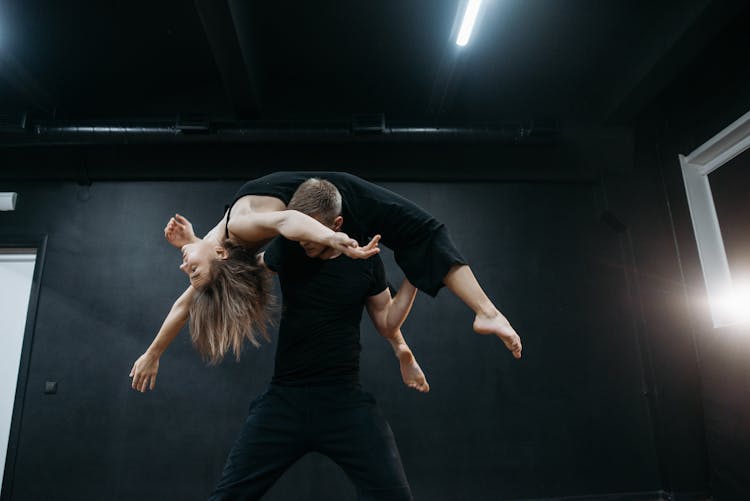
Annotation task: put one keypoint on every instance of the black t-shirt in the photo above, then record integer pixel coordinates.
(322, 308)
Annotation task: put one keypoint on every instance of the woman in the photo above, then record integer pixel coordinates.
(421, 245)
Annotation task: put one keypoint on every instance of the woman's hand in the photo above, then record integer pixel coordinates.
(144, 372)
(179, 231)
(342, 243)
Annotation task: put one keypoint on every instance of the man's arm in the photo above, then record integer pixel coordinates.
(387, 315)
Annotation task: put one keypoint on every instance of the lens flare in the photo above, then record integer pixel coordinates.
(734, 306)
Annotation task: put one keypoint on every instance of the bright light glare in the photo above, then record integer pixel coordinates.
(468, 23)
(735, 306)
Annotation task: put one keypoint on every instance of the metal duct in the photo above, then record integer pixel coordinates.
(53, 133)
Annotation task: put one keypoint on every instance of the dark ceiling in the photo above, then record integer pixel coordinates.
(232, 61)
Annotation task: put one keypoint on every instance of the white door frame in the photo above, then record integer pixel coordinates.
(39, 244)
(696, 167)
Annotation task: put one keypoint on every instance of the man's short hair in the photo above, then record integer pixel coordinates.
(317, 198)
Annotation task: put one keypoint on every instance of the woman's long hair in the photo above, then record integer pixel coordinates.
(235, 305)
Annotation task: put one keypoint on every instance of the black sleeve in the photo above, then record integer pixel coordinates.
(379, 283)
(274, 255)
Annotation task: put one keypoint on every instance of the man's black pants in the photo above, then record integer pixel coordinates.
(340, 421)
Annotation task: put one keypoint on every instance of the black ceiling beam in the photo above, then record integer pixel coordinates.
(25, 84)
(241, 11)
(216, 17)
(690, 32)
(446, 83)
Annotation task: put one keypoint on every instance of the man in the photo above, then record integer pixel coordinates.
(315, 402)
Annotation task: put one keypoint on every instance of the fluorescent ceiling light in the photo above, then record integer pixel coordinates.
(472, 9)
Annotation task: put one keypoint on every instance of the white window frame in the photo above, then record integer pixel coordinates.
(696, 167)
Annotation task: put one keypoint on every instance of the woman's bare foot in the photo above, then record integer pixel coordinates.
(499, 326)
(411, 373)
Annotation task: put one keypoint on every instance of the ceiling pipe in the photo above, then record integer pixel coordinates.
(61, 133)
(107, 130)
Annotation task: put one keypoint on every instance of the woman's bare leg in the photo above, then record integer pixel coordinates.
(461, 281)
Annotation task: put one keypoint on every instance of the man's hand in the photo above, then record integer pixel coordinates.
(179, 231)
(343, 244)
(144, 372)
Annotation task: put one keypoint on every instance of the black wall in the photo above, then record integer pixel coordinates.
(710, 94)
(585, 243)
(574, 417)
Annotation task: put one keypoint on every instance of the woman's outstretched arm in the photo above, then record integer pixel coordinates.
(179, 231)
(146, 367)
(296, 226)
(259, 227)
